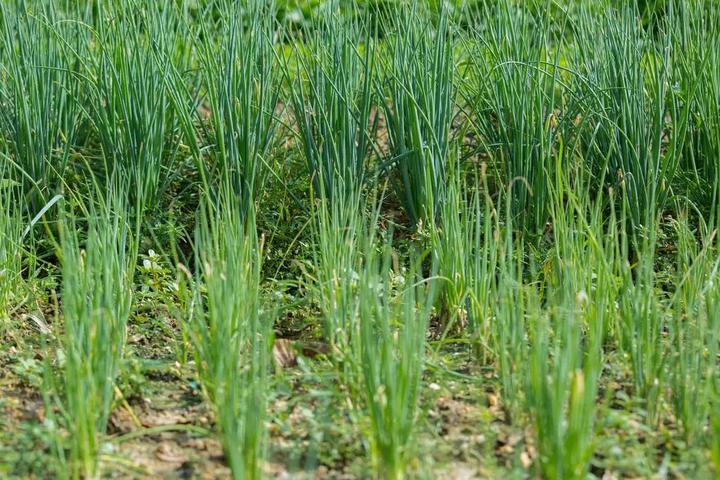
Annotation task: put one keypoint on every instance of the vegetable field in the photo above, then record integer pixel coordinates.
(388, 239)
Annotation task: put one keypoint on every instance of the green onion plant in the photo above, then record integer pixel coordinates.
(332, 97)
(419, 84)
(97, 264)
(231, 330)
(133, 118)
(39, 113)
(696, 51)
(394, 311)
(515, 99)
(337, 257)
(11, 280)
(240, 80)
(692, 331)
(638, 123)
(566, 339)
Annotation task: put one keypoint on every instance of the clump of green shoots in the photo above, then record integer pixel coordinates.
(134, 119)
(39, 115)
(629, 103)
(337, 229)
(642, 323)
(241, 80)
(561, 387)
(332, 97)
(97, 285)
(467, 257)
(453, 247)
(483, 223)
(712, 313)
(566, 339)
(10, 252)
(693, 334)
(513, 301)
(231, 332)
(392, 343)
(419, 110)
(696, 51)
(514, 98)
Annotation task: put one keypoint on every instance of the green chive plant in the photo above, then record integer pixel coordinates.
(693, 334)
(467, 257)
(38, 114)
(231, 331)
(97, 284)
(515, 96)
(566, 340)
(133, 117)
(337, 254)
(240, 81)
(394, 310)
(712, 313)
(642, 322)
(419, 83)
(513, 302)
(561, 387)
(10, 252)
(332, 97)
(630, 107)
(696, 49)
(453, 247)
(483, 225)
